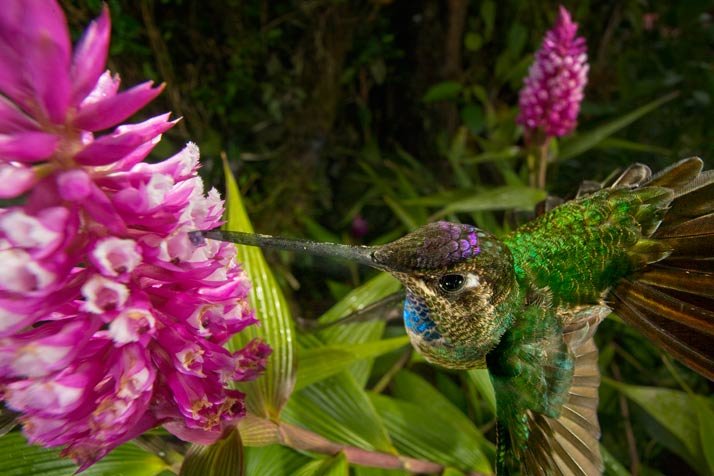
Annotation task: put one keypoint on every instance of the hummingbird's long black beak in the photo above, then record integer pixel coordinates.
(358, 254)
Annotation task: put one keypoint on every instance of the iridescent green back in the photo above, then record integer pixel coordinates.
(583, 247)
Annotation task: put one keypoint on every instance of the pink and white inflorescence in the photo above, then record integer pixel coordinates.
(553, 90)
(111, 321)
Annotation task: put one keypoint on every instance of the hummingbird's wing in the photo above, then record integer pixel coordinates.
(644, 244)
(546, 381)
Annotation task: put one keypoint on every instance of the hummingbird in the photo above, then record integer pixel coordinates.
(526, 306)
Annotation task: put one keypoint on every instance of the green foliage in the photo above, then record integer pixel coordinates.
(223, 458)
(21, 459)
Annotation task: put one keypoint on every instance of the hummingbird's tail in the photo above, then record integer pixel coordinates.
(671, 301)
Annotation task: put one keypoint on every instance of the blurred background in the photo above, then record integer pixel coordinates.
(357, 121)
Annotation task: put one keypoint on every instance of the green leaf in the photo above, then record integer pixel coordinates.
(222, 458)
(622, 144)
(21, 459)
(258, 431)
(612, 466)
(335, 466)
(339, 409)
(662, 404)
(493, 156)
(473, 118)
(421, 432)
(409, 221)
(706, 429)
(481, 381)
(273, 460)
(370, 292)
(365, 471)
(442, 91)
(265, 396)
(473, 41)
(579, 143)
(506, 197)
(410, 387)
(452, 472)
(322, 362)
(488, 16)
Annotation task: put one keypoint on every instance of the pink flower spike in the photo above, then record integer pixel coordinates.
(123, 141)
(106, 87)
(553, 90)
(107, 112)
(12, 119)
(130, 325)
(48, 348)
(17, 179)
(24, 275)
(27, 146)
(74, 185)
(111, 322)
(103, 295)
(115, 256)
(90, 56)
(46, 54)
(40, 233)
(50, 397)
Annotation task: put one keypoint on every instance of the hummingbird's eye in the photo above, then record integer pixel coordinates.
(450, 283)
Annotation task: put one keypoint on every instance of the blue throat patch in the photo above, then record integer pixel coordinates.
(416, 318)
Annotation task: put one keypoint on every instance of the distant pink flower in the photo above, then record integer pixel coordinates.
(111, 321)
(553, 90)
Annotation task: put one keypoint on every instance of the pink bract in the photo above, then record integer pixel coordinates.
(553, 90)
(111, 321)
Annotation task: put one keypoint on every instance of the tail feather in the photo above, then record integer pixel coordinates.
(671, 298)
(689, 281)
(681, 341)
(678, 175)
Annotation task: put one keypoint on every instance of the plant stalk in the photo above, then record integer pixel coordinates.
(305, 440)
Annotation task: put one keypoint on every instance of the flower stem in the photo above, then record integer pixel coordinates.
(543, 163)
(305, 440)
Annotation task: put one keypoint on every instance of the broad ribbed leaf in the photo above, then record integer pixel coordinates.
(706, 430)
(420, 431)
(322, 362)
(21, 459)
(677, 412)
(258, 431)
(339, 409)
(579, 143)
(223, 458)
(452, 472)
(481, 381)
(365, 471)
(273, 460)
(410, 387)
(267, 395)
(335, 466)
(372, 291)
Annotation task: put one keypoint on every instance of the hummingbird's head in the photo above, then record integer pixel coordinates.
(461, 290)
(460, 281)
